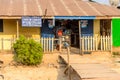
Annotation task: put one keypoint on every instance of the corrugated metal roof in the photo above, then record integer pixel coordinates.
(55, 8)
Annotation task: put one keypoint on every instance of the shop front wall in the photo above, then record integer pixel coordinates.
(93, 28)
(9, 29)
(30, 32)
(10, 32)
(96, 28)
(87, 27)
(47, 30)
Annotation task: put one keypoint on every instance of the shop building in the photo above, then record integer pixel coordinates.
(88, 24)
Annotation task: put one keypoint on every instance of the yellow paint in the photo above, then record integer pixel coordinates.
(9, 29)
(10, 32)
(96, 28)
(30, 32)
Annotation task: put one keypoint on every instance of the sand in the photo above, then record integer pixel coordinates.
(50, 68)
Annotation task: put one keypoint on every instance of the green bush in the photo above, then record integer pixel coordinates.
(27, 52)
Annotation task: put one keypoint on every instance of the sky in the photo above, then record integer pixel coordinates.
(102, 1)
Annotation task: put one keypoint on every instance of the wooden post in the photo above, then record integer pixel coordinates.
(111, 37)
(101, 43)
(96, 42)
(83, 43)
(11, 41)
(17, 29)
(41, 41)
(80, 51)
(68, 57)
(2, 43)
(88, 43)
(44, 41)
(109, 43)
(68, 66)
(93, 42)
(104, 43)
(52, 44)
(47, 45)
(106, 39)
(74, 39)
(60, 44)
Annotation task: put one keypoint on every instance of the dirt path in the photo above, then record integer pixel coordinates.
(48, 70)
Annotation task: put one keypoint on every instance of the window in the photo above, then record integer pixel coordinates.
(105, 27)
(1, 25)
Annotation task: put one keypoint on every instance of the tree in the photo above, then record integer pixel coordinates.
(114, 2)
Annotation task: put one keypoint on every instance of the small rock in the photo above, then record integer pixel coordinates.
(56, 66)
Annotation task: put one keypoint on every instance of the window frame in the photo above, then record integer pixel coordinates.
(1, 25)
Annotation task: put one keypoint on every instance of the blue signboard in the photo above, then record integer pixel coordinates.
(31, 21)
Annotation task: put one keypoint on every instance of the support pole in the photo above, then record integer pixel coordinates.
(111, 37)
(80, 50)
(60, 45)
(2, 43)
(68, 55)
(68, 66)
(17, 29)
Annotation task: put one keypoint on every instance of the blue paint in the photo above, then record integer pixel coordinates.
(46, 31)
(87, 17)
(88, 30)
(75, 17)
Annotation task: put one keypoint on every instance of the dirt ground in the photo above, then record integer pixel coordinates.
(50, 68)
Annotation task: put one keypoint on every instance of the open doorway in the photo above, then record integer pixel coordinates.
(71, 28)
(68, 31)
